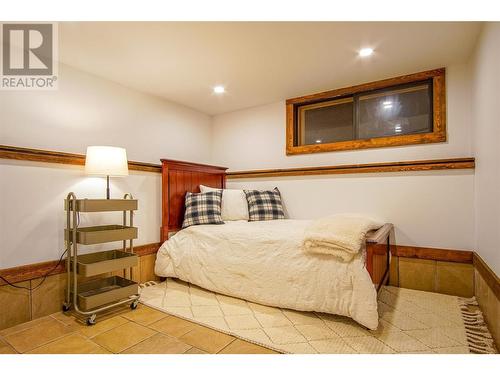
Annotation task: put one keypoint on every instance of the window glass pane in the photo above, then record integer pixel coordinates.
(395, 112)
(326, 122)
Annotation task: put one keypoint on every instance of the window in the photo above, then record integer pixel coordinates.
(399, 111)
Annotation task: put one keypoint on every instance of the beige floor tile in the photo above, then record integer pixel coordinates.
(71, 344)
(299, 317)
(273, 320)
(14, 305)
(205, 311)
(434, 338)
(316, 332)
(347, 328)
(368, 345)
(24, 326)
(195, 351)
(123, 337)
(401, 342)
(284, 335)
(244, 347)
(242, 322)
(49, 297)
(68, 318)
(173, 326)
(46, 331)
(102, 326)
(159, 344)
(6, 348)
(207, 339)
(144, 315)
(332, 346)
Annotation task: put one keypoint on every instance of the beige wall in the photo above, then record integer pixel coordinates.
(86, 110)
(486, 134)
(431, 209)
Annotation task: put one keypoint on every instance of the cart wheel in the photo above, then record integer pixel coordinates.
(91, 321)
(134, 304)
(66, 307)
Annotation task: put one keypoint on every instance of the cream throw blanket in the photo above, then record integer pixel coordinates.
(340, 235)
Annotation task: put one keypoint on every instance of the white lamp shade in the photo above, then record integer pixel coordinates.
(106, 161)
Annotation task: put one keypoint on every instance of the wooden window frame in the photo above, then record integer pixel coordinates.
(438, 133)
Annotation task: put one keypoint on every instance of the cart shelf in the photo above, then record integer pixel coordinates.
(103, 233)
(91, 297)
(104, 261)
(101, 205)
(103, 291)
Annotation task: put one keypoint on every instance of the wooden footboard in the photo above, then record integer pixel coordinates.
(378, 255)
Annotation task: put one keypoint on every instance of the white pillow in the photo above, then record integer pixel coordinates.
(234, 203)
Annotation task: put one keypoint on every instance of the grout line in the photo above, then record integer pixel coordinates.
(229, 343)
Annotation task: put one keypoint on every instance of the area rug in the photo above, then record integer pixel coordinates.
(411, 321)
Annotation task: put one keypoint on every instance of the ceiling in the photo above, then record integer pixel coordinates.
(257, 62)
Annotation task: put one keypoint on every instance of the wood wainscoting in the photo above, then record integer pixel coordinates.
(487, 292)
(44, 156)
(400, 166)
(21, 305)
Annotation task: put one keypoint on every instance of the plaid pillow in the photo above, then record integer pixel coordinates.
(264, 205)
(203, 208)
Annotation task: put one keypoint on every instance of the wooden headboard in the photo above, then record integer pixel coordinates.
(179, 177)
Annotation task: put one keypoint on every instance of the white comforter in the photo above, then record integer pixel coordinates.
(264, 262)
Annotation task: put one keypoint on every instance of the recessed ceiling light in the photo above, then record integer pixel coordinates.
(318, 141)
(219, 90)
(364, 52)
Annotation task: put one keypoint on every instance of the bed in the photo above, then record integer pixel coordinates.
(263, 261)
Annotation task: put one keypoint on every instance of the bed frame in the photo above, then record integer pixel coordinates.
(179, 177)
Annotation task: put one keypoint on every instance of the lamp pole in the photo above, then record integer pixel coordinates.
(107, 187)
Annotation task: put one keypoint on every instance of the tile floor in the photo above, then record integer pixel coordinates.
(141, 331)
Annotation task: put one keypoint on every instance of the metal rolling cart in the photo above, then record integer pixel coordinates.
(89, 297)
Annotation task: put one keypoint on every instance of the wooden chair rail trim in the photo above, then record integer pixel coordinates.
(45, 156)
(400, 166)
(444, 255)
(489, 276)
(37, 270)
